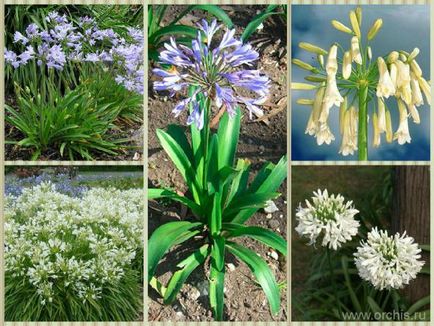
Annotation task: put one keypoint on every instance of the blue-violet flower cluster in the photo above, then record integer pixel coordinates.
(64, 41)
(216, 70)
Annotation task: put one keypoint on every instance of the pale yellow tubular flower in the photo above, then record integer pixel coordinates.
(346, 66)
(403, 81)
(342, 110)
(302, 86)
(313, 124)
(312, 48)
(369, 53)
(355, 50)
(414, 113)
(392, 57)
(375, 28)
(385, 87)
(413, 54)
(416, 94)
(415, 68)
(426, 89)
(377, 135)
(332, 62)
(331, 97)
(381, 115)
(355, 24)
(305, 101)
(303, 65)
(394, 74)
(324, 135)
(354, 123)
(402, 134)
(348, 146)
(389, 131)
(341, 27)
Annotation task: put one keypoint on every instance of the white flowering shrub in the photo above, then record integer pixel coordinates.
(72, 258)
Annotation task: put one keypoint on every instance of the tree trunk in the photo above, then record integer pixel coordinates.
(411, 213)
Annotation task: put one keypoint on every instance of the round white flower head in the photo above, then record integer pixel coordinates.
(388, 261)
(328, 216)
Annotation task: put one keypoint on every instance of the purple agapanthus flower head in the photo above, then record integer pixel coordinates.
(218, 68)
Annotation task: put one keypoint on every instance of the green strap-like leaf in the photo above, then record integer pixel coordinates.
(215, 223)
(165, 193)
(187, 266)
(265, 236)
(212, 9)
(355, 301)
(374, 306)
(271, 183)
(166, 236)
(172, 30)
(181, 160)
(256, 21)
(418, 305)
(262, 272)
(239, 182)
(247, 201)
(217, 277)
(228, 134)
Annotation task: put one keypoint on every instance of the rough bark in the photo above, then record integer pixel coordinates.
(411, 213)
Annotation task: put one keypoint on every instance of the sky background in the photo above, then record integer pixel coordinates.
(404, 28)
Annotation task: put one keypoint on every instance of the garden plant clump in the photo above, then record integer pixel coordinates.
(76, 86)
(73, 258)
(211, 75)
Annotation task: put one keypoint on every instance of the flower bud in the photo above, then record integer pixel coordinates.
(312, 48)
(355, 51)
(426, 89)
(359, 15)
(389, 131)
(415, 68)
(302, 86)
(369, 53)
(342, 110)
(305, 101)
(341, 27)
(320, 59)
(377, 138)
(315, 79)
(375, 28)
(303, 65)
(346, 66)
(392, 57)
(332, 63)
(413, 54)
(381, 115)
(355, 24)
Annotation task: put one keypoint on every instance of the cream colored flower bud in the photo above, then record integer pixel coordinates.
(394, 74)
(342, 110)
(303, 65)
(426, 89)
(381, 115)
(346, 66)
(385, 87)
(402, 134)
(414, 113)
(392, 57)
(355, 51)
(331, 97)
(369, 53)
(305, 101)
(312, 48)
(355, 23)
(413, 54)
(415, 68)
(359, 15)
(377, 136)
(341, 27)
(403, 57)
(332, 63)
(320, 59)
(315, 79)
(403, 81)
(313, 124)
(302, 86)
(416, 94)
(389, 131)
(375, 28)
(349, 136)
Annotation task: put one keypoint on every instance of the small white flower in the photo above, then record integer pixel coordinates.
(331, 97)
(349, 134)
(402, 134)
(381, 115)
(346, 66)
(329, 217)
(332, 62)
(355, 51)
(388, 261)
(385, 87)
(324, 135)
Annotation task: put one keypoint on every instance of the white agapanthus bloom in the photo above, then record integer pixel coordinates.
(328, 217)
(385, 87)
(388, 261)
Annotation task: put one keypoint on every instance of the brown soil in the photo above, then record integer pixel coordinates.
(259, 142)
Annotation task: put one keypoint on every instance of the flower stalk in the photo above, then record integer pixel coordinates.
(363, 121)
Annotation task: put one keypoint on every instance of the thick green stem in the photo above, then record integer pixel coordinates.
(332, 277)
(205, 140)
(363, 121)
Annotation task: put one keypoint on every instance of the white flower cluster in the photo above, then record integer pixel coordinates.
(81, 244)
(388, 261)
(328, 216)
